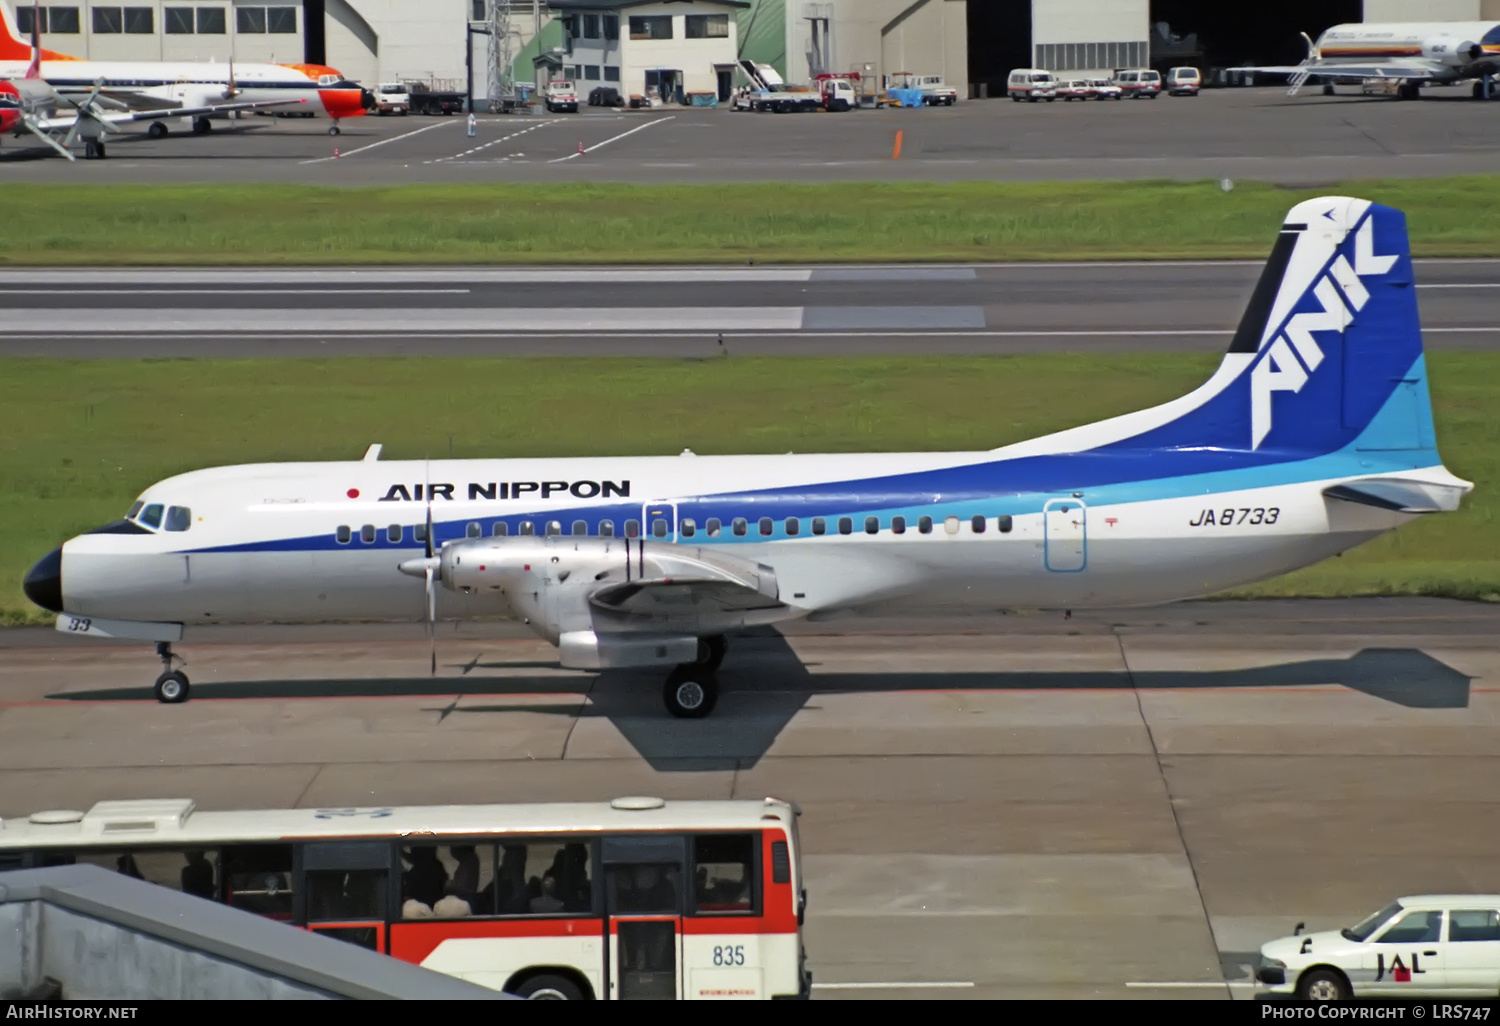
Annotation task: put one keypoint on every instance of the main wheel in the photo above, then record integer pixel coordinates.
(335, 130)
(1323, 985)
(690, 692)
(157, 130)
(549, 987)
(202, 126)
(172, 687)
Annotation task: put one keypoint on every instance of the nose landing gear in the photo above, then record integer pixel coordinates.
(335, 130)
(172, 685)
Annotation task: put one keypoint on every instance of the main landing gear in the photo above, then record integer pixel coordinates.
(172, 685)
(335, 130)
(692, 689)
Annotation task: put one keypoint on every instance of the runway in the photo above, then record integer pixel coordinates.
(1170, 306)
(1251, 134)
(1021, 806)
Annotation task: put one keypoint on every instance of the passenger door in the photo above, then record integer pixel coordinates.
(1472, 954)
(659, 521)
(345, 890)
(1408, 957)
(643, 916)
(1066, 538)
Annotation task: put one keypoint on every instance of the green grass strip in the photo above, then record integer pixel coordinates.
(78, 440)
(723, 223)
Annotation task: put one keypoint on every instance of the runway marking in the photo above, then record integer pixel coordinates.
(897, 985)
(382, 142)
(6, 290)
(1187, 986)
(494, 142)
(591, 149)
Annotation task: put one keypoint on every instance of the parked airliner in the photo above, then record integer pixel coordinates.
(1314, 435)
(1413, 54)
(157, 85)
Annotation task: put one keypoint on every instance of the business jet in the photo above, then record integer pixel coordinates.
(1314, 435)
(182, 87)
(31, 104)
(1414, 54)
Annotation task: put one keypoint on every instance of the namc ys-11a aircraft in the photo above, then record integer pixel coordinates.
(1314, 435)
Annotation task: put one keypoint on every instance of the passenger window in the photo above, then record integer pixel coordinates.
(976, 524)
(580, 528)
(1473, 925)
(1003, 524)
(898, 525)
(606, 528)
(658, 528)
(473, 530)
(393, 534)
(447, 882)
(367, 534)
(554, 528)
(342, 534)
(151, 516)
(766, 526)
(723, 873)
(687, 528)
(872, 525)
(528, 528)
(644, 888)
(950, 524)
(257, 878)
(924, 524)
(1414, 928)
(500, 529)
(632, 528)
(341, 894)
(713, 527)
(820, 526)
(846, 526)
(793, 527)
(740, 525)
(544, 878)
(179, 518)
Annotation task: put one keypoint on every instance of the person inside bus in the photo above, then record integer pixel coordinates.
(425, 879)
(198, 876)
(511, 897)
(576, 896)
(547, 901)
(465, 882)
(451, 906)
(125, 864)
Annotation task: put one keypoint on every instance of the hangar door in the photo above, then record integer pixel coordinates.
(1065, 522)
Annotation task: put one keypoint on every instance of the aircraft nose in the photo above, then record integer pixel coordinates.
(43, 584)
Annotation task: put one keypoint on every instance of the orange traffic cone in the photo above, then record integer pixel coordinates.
(335, 153)
(580, 147)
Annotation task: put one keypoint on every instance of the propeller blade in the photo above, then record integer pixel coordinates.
(432, 621)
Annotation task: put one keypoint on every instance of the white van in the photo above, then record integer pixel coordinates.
(1139, 82)
(1031, 84)
(1183, 82)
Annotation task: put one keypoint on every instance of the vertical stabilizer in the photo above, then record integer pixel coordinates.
(34, 69)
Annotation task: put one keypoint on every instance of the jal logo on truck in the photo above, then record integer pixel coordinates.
(508, 490)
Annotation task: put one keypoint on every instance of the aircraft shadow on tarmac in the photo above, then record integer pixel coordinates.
(764, 685)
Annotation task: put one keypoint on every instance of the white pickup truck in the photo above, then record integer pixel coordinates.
(561, 95)
(392, 98)
(934, 92)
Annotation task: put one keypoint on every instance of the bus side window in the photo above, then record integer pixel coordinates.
(258, 878)
(545, 878)
(724, 874)
(193, 872)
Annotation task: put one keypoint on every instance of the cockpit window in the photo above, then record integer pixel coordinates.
(135, 509)
(151, 516)
(179, 518)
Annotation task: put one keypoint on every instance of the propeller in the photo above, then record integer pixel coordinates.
(85, 110)
(231, 91)
(430, 568)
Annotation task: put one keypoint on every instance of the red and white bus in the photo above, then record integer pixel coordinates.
(635, 898)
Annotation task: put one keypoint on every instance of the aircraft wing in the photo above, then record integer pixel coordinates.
(689, 589)
(1410, 70)
(65, 121)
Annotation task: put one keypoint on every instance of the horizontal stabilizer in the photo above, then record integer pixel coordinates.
(1401, 495)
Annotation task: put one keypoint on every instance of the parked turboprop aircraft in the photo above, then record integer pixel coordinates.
(1416, 54)
(183, 87)
(1314, 435)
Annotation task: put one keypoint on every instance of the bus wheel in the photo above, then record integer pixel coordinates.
(691, 692)
(172, 687)
(549, 987)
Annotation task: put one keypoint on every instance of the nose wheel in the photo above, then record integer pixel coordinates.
(335, 130)
(172, 685)
(691, 692)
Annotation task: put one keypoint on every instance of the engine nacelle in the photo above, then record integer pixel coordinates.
(1446, 50)
(587, 650)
